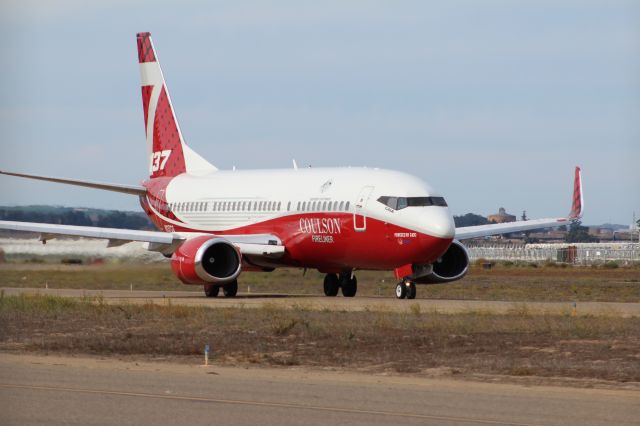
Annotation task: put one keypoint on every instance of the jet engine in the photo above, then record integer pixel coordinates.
(206, 260)
(452, 266)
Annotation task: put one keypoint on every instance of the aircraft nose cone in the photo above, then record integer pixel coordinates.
(439, 223)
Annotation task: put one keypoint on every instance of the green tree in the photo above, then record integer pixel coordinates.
(578, 233)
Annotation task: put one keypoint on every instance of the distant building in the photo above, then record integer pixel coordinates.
(550, 235)
(626, 235)
(601, 233)
(501, 217)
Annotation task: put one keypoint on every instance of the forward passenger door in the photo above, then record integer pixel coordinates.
(359, 214)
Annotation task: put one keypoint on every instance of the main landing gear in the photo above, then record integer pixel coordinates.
(229, 290)
(406, 288)
(346, 282)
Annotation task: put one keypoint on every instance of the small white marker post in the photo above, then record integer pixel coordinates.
(131, 287)
(206, 355)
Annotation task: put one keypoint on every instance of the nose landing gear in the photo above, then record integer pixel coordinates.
(406, 288)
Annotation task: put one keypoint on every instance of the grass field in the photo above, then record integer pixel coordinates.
(510, 283)
(471, 344)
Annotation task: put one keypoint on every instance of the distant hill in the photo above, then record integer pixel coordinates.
(77, 216)
(614, 226)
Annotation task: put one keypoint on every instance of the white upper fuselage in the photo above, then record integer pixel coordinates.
(225, 200)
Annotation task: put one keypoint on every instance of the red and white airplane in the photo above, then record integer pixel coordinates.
(214, 224)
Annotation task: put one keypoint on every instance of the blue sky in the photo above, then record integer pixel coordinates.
(493, 103)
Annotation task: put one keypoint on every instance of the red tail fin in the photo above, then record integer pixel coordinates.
(578, 202)
(168, 154)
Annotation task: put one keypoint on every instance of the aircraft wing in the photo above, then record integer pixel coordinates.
(165, 242)
(467, 232)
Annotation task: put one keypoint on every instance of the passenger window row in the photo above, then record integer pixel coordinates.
(257, 206)
(325, 206)
(224, 206)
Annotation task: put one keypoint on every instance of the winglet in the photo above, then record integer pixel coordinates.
(578, 201)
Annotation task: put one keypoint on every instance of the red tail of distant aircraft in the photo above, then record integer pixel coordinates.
(215, 224)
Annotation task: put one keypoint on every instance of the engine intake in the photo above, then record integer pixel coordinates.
(452, 266)
(206, 259)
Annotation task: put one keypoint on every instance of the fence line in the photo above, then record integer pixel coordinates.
(579, 253)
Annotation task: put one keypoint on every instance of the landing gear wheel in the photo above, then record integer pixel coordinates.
(231, 289)
(411, 291)
(401, 290)
(349, 285)
(331, 285)
(211, 290)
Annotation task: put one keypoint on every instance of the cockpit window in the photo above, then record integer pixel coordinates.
(399, 203)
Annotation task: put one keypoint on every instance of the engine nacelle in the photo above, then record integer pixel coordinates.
(206, 260)
(452, 266)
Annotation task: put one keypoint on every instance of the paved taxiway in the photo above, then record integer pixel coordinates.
(63, 390)
(192, 298)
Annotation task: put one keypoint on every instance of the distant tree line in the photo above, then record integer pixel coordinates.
(81, 217)
(139, 220)
(470, 219)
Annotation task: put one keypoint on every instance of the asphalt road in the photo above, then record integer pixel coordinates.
(81, 391)
(357, 303)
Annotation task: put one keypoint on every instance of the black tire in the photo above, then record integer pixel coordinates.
(331, 285)
(349, 286)
(401, 290)
(411, 291)
(231, 289)
(211, 290)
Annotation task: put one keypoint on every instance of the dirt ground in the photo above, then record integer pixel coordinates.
(587, 350)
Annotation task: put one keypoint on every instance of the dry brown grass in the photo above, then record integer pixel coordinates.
(517, 344)
(500, 283)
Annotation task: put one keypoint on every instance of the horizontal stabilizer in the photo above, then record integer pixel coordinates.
(114, 187)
